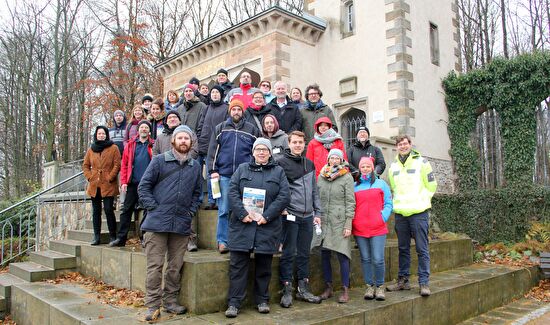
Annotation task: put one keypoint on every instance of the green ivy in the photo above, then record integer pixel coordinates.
(501, 215)
(513, 88)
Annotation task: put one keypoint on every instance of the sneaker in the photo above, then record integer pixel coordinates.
(263, 308)
(153, 313)
(174, 308)
(286, 299)
(222, 248)
(369, 293)
(425, 290)
(231, 312)
(379, 293)
(304, 294)
(192, 244)
(402, 284)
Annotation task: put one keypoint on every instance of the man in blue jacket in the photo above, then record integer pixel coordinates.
(230, 146)
(169, 190)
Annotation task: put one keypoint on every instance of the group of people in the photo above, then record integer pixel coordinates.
(286, 185)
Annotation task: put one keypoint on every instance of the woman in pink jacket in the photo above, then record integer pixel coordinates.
(373, 208)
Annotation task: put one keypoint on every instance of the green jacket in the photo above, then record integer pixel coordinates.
(413, 184)
(338, 202)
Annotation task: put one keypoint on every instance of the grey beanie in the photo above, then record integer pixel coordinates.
(183, 128)
(118, 111)
(336, 152)
(263, 141)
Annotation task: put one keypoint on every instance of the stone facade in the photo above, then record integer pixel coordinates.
(55, 219)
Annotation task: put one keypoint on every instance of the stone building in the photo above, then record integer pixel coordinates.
(377, 62)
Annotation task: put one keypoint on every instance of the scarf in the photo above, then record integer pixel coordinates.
(317, 106)
(327, 138)
(98, 146)
(180, 157)
(167, 130)
(330, 173)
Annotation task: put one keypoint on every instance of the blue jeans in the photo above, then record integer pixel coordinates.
(344, 262)
(297, 239)
(414, 226)
(372, 258)
(223, 211)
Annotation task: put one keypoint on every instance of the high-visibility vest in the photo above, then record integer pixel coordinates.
(413, 184)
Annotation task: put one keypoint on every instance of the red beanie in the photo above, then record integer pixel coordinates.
(366, 160)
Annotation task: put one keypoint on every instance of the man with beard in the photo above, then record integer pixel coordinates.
(169, 191)
(230, 146)
(244, 91)
(163, 142)
(287, 113)
(362, 147)
(135, 159)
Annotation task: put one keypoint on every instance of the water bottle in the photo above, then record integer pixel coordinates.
(318, 230)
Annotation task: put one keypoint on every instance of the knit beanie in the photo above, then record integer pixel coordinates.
(145, 122)
(190, 85)
(146, 97)
(173, 113)
(222, 70)
(118, 112)
(182, 128)
(236, 102)
(363, 128)
(218, 88)
(335, 152)
(194, 81)
(366, 161)
(264, 142)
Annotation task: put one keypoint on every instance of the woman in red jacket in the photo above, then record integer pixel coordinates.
(372, 211)
(325, 138)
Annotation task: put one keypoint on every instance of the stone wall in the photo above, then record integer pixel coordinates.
(443, 170)
(55, 219)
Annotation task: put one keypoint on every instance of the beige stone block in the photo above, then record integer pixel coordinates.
(395, 14)
(116, 267)
(90, 261)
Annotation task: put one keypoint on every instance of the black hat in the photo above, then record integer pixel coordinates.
(222, 70)
(218, 88)
(173, 112)
(194, 81)
(147, 97)
(363, 128)
(145, 122)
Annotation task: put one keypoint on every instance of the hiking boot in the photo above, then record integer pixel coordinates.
(222, 248)
(96, 240)
(369, 293)
(344, 296)
(231, 312)
(153, 313)
(286, 299)
(328, 291)
(379, 293)
(425, 290)
(304, 293)
(402, 284)
(263, 308)
(174, 308)
(192, 244)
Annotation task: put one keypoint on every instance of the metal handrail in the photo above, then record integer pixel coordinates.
(41, 192)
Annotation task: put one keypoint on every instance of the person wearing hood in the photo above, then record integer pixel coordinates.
(314, 108)
(192, 109)
(255, 228)
(265, 87)
(216, 113)
(132, 127)
(223, 81)
(257, 110)
(156, 117)
(338, 203)
(325, 139)
(372, 212)
(100, 168)
(277, 137)
(299, 217)
(244, 92)
(118, 131)
(146, 102)
(168, 190)
(173, 101)
(362, 147)
(287, 113)
(163, 142)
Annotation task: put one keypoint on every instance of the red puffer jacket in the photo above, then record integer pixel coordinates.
(317, 153)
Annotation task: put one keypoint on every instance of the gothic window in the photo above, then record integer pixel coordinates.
(351, 121)
(490, 149)
(348, 18)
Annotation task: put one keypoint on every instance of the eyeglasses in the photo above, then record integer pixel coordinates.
(258, 97)
(309, 94)
(261, 150)
(265, 85)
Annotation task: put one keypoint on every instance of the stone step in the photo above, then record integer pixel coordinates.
(457, 295)
(87, 235)
(89, 224)
(53, 259)
(31, 272)
(204, 282)
(67, 246)
(3, 304)
(7, 280)
(519, 312)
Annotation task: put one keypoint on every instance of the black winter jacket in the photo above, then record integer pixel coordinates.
(289, 116)
(249, 237)
(358, 150)
(215, 114)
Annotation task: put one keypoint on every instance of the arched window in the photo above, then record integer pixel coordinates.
(542, 152)
(351, 121)
(490, 149)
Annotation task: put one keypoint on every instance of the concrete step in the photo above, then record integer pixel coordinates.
(89, 225)
(31, 272)
(53, 259)
(87, 235)
(517, 312)
(67, 246)
(7, 280)
(204, 282)
(457, 295)
(3, 304)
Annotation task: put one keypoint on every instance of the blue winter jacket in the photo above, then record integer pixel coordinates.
(171, 198)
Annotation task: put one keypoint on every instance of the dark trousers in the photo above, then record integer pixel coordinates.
(127, 211)
(238, 277)
(343, 260)
(296, 247)
(414, 226)
(108, 202)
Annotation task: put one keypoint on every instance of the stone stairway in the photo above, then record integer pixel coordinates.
(460, 290)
